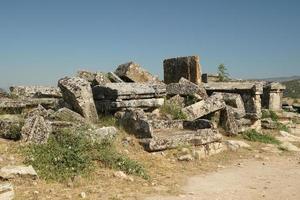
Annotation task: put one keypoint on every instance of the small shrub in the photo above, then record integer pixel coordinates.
(64, 156)
(273, 116)
(265, 114)
(282, 127)
(70, 154)
(107, 121)
(109, 157)
(14, 132)
(253, 135)
(173, 109)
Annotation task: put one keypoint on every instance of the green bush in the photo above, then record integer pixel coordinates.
(253, 135)
(69, 154)
(173, 109)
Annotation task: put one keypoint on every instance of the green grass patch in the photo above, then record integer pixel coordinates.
(107, 120)
(69, 154)
(253, 135)
(172, 109)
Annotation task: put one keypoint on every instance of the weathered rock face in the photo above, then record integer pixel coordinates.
(212, 104)
(207, 150)
(78, 93)
(125, 91)
(228, 121)
(177, 100)
(36, 130)
(132, 72)
(234, 145)
(186, 88)
(187, 67)
(35, 92)
(97, 78)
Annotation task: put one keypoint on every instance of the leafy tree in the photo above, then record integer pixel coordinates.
(222, 72)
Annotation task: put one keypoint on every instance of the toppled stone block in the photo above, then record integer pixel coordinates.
(210, 105)
(132, 72)
(35, 92)
(78, 93)
(100, 134)
(10, 172)
(207, 150)
(186, 88)
(65, 114)
(235, 87)
(169, 139)
(197, 124)
(139, 103)
(125, 91)
(36, 129)
(6, 191)
(135, 122)
(94, 78)
(58, 126)
(235, 101)
(228, 121)
(10, 106)
(234, 145)
(187, 67)
(114, 78)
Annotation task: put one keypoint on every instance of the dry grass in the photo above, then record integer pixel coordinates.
(167, 174)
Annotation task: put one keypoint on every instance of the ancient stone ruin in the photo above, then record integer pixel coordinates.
(181, 110)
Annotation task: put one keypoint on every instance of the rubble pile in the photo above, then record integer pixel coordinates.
(136, 98)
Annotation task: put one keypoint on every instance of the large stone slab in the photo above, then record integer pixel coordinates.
(235, 87)
(186, 88)
(138, 103)
(122, 91)
(187, 67)
(35, 91)
(9, 172)
(78, 93)
(114, 78)
(170, 139)
(210, 105)
(95, 78)
(133, 72)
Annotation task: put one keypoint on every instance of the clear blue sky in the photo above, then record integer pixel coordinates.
(43, 40)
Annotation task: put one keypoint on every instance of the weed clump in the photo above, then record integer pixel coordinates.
(253, 135)
(172, 109)
(69, 154)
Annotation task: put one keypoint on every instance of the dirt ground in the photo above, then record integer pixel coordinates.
(277, 178)
(251, 173)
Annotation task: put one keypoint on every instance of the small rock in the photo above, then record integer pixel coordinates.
(187, 157)
(83, 195)
(122, 175)
(234, 145)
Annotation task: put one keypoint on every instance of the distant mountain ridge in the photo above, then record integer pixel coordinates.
(281, 79)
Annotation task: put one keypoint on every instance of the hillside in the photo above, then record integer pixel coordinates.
(292, 88)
